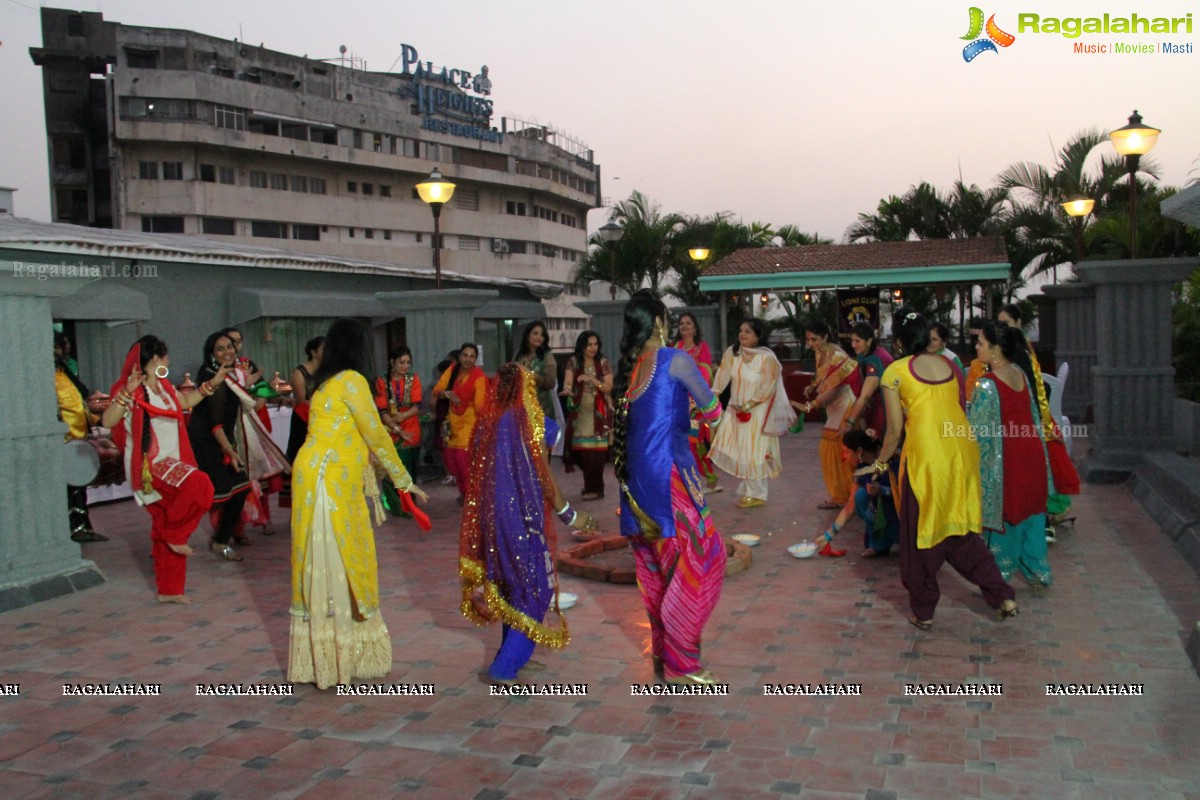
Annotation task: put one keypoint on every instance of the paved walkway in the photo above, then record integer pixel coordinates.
(1119, 612)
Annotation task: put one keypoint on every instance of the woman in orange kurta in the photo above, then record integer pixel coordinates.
(834, 388)
(465, 386)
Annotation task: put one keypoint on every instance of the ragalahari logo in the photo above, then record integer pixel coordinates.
(995, 36)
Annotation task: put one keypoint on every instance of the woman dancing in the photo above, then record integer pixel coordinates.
(679, 552)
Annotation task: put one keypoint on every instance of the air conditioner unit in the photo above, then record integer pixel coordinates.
(499, 245)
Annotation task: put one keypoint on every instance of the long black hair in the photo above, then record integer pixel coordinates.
(345, 349)
(640, 313)
(867, 333)
(207, 362)
(313, 345)
(911, 331)
(458, 364)
(581, 343)
(1013, 346)
(525, 349)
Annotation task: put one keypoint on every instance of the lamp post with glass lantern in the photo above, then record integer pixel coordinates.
(611, 233)
(436, 191)
(1133, 141)
(1077, 208)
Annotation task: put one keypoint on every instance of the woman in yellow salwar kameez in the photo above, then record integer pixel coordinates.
(337, 632)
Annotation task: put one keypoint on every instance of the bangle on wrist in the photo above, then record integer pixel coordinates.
(879, 466)
(566, 514)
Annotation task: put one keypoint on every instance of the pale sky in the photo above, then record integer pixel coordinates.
(782, 112)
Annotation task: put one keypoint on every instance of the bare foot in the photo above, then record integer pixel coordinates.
(181, 599)
(182, 549)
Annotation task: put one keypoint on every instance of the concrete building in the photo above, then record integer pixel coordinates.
(169, 131)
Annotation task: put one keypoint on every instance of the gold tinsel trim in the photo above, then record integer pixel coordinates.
(473, 577)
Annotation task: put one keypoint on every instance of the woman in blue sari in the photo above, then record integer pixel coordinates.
(506, 550)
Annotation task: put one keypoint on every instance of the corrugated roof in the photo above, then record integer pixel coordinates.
(61, 238)
(870, 256)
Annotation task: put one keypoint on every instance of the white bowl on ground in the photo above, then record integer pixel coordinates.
(566, 600)
(803, 550)
(748, 539)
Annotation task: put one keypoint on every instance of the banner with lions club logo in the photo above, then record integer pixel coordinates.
(856, 305)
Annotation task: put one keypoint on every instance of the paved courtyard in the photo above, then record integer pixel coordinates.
(1119, 613)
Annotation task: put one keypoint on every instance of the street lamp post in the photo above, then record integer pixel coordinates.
(611, 233)
(436, 191)
(1077, 208)
(1133, 141)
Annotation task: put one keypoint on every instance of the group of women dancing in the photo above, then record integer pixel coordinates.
(657, 412)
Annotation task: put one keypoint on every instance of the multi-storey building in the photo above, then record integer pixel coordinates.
(171, 131)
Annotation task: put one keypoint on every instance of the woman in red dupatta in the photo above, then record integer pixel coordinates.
(147, 421)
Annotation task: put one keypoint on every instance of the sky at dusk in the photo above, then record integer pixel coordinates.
(782, 112)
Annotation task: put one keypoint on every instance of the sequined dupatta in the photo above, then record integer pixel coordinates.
(505, 564)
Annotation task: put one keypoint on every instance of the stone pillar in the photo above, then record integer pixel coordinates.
(608, 320)
(38, 560)
(437, 321)
(1134, 379)
(1075, 342)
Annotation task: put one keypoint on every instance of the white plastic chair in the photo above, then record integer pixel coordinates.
(1054, 386)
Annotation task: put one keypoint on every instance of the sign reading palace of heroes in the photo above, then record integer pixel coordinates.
(444, 92)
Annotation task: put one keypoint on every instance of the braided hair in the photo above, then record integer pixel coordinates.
(640, 313)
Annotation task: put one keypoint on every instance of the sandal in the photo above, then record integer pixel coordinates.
(921, 624)
(225, 551)
(88, 536)
(1007, 609)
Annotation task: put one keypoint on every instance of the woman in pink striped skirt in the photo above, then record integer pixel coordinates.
(680, 555)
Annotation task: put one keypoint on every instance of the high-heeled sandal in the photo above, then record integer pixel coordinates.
(1007, 609)
(701, 678)
(921, 624)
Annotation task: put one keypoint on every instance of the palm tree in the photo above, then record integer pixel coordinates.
(1044, 234)
(643, 253)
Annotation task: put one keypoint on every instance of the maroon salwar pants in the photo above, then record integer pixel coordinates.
(172, 521)
(592, 463)
(968, 554)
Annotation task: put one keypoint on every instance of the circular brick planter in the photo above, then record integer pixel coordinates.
(575, 560)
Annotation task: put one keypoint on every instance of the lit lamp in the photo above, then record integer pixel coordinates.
(611, 233)
(436, 191)
(897, 295)
(1077, 207)
(698, 254)
(764, 300)
(1133, 141)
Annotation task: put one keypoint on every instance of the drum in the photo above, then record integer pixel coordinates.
(112, 463)
(81, 462)
(93, 462)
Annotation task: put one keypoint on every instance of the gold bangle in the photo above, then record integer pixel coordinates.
(880, 467)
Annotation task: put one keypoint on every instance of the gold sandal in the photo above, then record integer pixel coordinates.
(225, 551)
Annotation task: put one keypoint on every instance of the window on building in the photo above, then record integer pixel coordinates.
(279, 181)
(410, 147)
(433, 151)
(226, 175)
(466, 199)
(385, 190)
(515, 207)
(323, 135)
(218, 226)
(208, 173)
(351, 232)
(368, 188)
(387, 235)
(141, 58)
(369, 233)
(269, 127)
(309, 233)
(392, 145)
(299, 184)
(77, 153)
(172, 170)
(268, 230)
(229, 117)
(377, 143)
(468, 242)
(162, 224)
(294, 130)
(316, 185)
(518, 247)
(148, 170)
(258, 179)
(352, 187)
(357, 139)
